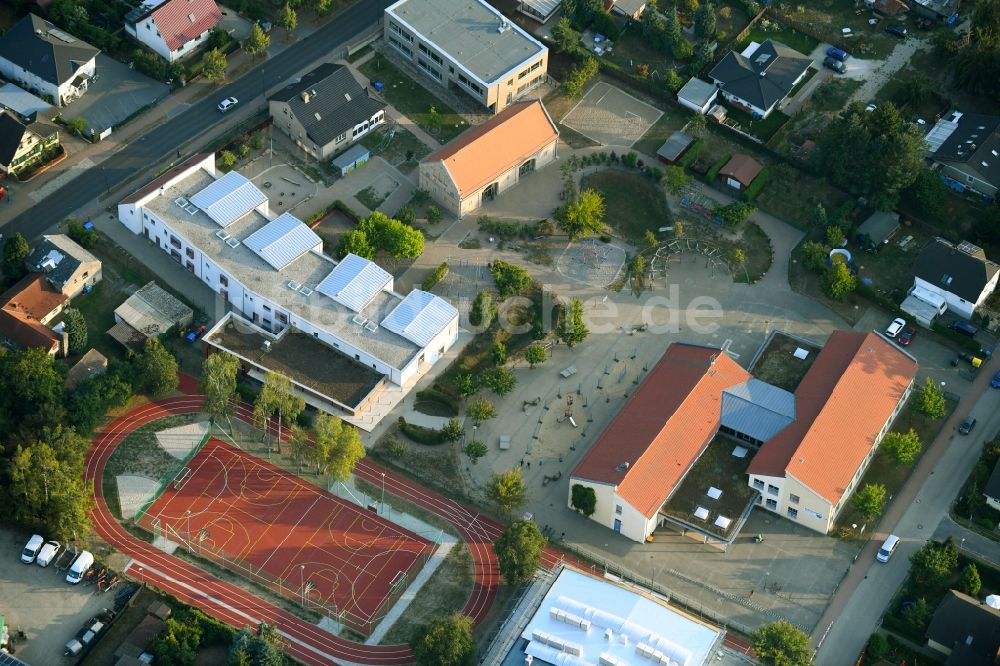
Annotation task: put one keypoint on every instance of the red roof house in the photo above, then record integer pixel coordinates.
(173, 28)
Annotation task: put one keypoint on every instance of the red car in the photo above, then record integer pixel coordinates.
(906, 337)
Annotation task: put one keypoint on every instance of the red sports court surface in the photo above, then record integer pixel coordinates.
(247, 510)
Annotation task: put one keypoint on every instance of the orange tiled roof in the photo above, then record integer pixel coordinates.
(180, 21)
(27, 333)
(33, 297)
(664, 426)
(484, 152)
(841, 405)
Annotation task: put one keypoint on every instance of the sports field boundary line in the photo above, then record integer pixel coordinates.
(291, 529)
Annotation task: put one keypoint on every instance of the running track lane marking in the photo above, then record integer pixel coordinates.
(236, 611)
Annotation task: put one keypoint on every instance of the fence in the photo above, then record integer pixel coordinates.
(171, 475)
(301, 593)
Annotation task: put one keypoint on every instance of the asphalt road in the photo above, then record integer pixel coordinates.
(162, 141)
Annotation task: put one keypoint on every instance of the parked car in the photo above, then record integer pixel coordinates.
(48, 553)
(888, 548)
(895, 327)
(871, 107)
(906, 337)
(995, 382)
(835, 65)
(837, 54)
(964, 328)
(967, 425)
(81, 565)
(31, 549)
(896, 30)
(227, 104)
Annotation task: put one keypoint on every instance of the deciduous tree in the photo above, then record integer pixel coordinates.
(15, 251)
(970, 582)
(444, 642)
(736, 213)
(902, 447)
(213, 65)
(76, 330)
(781, 643)
(518, 551)
(838, 281)
(934, 563)
(676, 179)
(483, 310)
(566, 38)
(535, 354)
(500, 380)
(155, 369)
(572, 329)
(583, 499)
(277, 397)
(287, 18)
(257, 41)
(930, 400)
(510, 279)
(480, 410)
(869, 500)
(475, 450)
(218, 384)
(507, 489)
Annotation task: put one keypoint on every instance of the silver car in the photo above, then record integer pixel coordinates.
(895, 327)
(227, 104)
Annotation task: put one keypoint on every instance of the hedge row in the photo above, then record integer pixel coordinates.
(757, 185)
(963, 341)
(692, 154)
(422, 435)
(717, 167)
(336, 205)
(439, 397)
(435, 277)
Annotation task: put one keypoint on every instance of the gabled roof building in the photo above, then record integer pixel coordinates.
(966, 148)
(491, 158)
(338, 330)
(812, 446)
(47, 61)
(67, 266)
(961, 274)
(326, 111)
(173, 29)
(965, 630)
(760, 77)
(23, 142)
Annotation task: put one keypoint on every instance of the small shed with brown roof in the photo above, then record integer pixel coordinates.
(491, 158)
(740, 171)
(90, 365)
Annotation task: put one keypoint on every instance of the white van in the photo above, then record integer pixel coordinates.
(887, 549)
(31, 549)
(48, 553)
(81, 565)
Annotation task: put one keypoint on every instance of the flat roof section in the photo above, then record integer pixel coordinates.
(469, 31)
(302, 359)
(243, 264)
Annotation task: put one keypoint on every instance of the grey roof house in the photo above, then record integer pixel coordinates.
(48, 61)
(761, 76)
(67, 266)
(965, 630)
(326, 111)
(992, 488)
(878, 229)
(961, 274)
(966, 148)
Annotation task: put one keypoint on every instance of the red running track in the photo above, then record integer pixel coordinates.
(239, 608)
(234, 506)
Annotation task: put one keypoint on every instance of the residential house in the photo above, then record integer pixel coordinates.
(992, 488)
(697, 95)
(48, 61)
(811, 446)
(632, 9)
(844, 406)
(89, 366)
(148, 313)
(490, 158)
(468, 45)
(961, 274)
(760, 77)
(740, 171)
(326, 110)
(878, 229)
(937, 10)
(966, 149)
(539, 10)
(890, 8)
(68, 267)
(674, 147)
(24, 143)
(25, 309)
(965, 630)
(173, 29)
(337, 329)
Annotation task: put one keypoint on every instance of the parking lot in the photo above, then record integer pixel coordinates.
(117, 93)
(42, 604)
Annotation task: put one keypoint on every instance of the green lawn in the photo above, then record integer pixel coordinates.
(671, 121)
(633, 203)
(833, 95)
(788, 36)
(811, 72)
(762, 128)
(824, 20)
(403, 151)
(413, 100)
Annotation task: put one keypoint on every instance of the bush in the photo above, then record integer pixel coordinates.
(713, 172)
(692, 154)
(756, 186)
(963, 341)
(227, 160)
(439, 397)
(87, 238)
(435, 277)
(426, 436)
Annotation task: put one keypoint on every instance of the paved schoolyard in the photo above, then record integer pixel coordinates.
(611, 117)
(117, 93)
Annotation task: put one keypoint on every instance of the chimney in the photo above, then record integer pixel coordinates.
(305, 96)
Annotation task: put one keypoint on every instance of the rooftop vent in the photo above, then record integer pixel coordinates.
(49, 264)
(623, 467)
(222, 234)
(305, 96)
(232, 242)
(371, 327)
(191, 17)
(266, 347)
(503, 27)
(347, 96)
(359, 320)
(946, 279)
(318, 117)
(181, 201)
(306, 291)
(293, 285)
(191, 209)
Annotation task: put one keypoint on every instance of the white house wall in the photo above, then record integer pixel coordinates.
(29, 80)
(610, 508)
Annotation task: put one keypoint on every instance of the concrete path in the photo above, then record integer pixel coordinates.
(913, 516)
(897, 60)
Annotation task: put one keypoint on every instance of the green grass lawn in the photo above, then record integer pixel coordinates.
(811, 72)
(413, 100)
(788, 36)
(833, 95)
(633, 203)
(762, 128)
(403, 151)
(791, 195)
(824, 20)
(671, 121)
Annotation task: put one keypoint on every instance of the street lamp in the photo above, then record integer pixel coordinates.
(961, 546)
(187, 514)
(382, 503)
(263, 92)
(302, 582)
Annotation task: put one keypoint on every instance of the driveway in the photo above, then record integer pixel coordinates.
(118, 92)
(880, 75)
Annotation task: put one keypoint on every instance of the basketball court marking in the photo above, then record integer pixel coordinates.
(611, 117)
